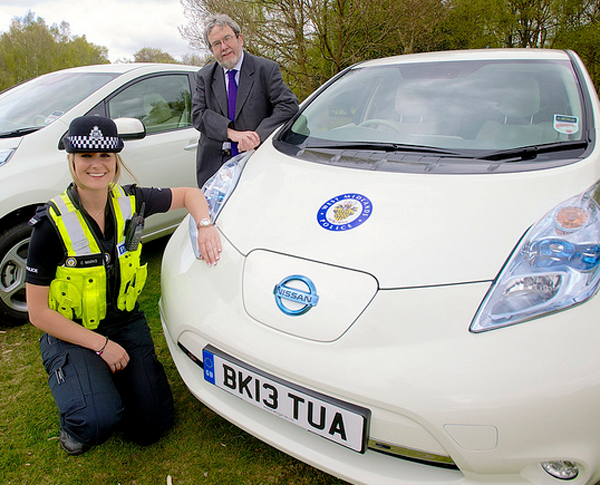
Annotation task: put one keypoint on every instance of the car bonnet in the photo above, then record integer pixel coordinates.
(406, 230)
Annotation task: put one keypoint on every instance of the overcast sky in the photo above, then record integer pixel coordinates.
(122, 26)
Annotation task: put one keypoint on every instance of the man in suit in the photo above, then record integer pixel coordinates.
(238, 101)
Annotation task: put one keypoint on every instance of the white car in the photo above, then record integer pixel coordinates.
(34, 116)
(407, 289)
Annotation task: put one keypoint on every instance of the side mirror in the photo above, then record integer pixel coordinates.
(130, 128)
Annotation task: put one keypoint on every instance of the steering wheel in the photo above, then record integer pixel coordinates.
(380, 122)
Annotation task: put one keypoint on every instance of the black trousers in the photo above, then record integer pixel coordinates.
(93, 402)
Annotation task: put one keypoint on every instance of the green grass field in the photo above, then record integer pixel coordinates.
(201, 448)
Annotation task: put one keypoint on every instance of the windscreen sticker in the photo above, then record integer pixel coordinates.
(566, 124)
(344, 212)
(52, 117)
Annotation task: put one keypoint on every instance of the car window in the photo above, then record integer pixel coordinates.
(476, 105)
(162, 103)
(43, 100)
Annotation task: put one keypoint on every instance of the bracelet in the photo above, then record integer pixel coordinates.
(99, 352)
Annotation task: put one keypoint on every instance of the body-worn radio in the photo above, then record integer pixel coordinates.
(134, 228)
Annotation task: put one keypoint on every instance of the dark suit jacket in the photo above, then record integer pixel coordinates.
(263, 103)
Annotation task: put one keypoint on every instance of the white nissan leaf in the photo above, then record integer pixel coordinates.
(408, 286)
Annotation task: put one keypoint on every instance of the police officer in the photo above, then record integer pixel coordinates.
(83, 278)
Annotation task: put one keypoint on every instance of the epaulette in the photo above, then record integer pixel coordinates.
(41, 212)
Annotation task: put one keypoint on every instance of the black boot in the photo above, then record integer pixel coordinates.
(71, 445)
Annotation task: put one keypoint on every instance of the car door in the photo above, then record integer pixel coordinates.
(166, 157)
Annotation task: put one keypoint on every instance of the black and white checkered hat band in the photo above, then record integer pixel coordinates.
(98, 144)
(93, 134)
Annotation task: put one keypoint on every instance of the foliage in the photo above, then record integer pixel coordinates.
(31, 48)
(191, 59)
(560, 24)
(152, 54)
(315, 39)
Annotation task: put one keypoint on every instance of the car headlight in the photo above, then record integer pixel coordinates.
(217, 190)
(219, 187)
(555, 266)
(5, 155)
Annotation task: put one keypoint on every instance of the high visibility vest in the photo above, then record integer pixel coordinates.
(79, 290)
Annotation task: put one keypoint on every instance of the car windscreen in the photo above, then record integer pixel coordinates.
(447, 108)
(41, 101)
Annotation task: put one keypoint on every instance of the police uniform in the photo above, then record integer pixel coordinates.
(92, 401)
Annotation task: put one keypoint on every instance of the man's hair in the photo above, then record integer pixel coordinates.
(220, 20)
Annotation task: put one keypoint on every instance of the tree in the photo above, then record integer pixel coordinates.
(191, 59)
(152, 54)
(314, 39)
(472, 24)
(31, 48)
(277, 30)
(516, 23)
(561, 24)
(580, 31)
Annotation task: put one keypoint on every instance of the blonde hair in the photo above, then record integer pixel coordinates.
(120, 168)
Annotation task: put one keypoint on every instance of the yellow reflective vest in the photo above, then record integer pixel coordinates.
(79, 290)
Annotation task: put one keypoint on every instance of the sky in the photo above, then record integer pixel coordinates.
(122, 26)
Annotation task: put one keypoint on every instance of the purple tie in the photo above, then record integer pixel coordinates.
(231, 97)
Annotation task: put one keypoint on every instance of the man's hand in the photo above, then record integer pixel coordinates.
(246, 140)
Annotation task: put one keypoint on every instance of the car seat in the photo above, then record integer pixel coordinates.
(517, 101)
(158, 115)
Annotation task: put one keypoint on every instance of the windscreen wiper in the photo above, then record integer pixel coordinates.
(531, 152)
(387, 147)
(19, 132)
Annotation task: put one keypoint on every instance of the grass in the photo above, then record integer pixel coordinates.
(201, 448)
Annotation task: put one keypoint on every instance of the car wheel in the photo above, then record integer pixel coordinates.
(14, 244)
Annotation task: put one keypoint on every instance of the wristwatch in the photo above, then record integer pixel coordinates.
(206, 222)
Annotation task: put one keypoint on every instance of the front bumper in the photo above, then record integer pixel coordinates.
(496, 404)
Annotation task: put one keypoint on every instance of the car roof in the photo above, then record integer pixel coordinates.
(470, 55)
(124, 68)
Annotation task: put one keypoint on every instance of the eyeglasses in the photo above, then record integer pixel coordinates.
(218, 44)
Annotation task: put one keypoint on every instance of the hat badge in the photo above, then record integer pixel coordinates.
(96, 133)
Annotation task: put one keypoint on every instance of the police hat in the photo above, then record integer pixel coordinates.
(93, 134)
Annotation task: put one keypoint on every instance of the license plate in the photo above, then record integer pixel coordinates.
(341, 422)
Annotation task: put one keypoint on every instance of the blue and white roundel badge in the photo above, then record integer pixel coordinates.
(344, 212)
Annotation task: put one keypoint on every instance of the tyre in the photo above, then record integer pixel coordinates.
(14, 244)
